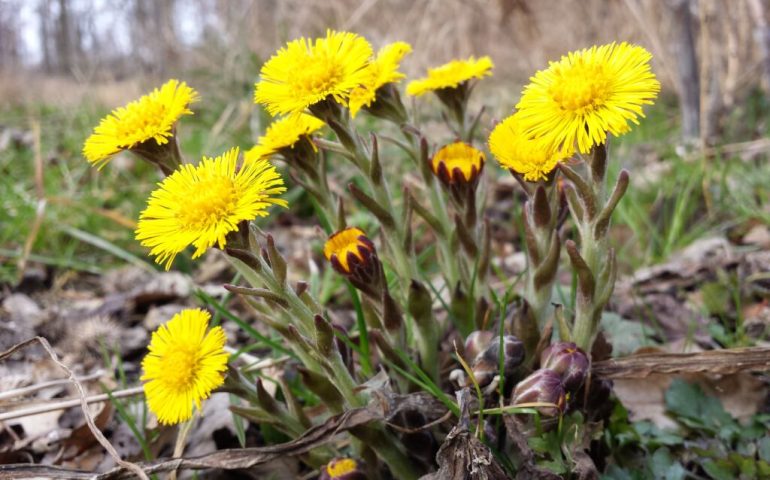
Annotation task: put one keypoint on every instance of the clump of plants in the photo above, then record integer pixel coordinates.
(451, 372)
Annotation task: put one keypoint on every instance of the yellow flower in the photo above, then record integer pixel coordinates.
(457, 163)
(514, 150)
(199, 205)
(588, 94)
(342, 469)
(151, 118)
(348, 247)
(306, 72)
(381, 70)
(451, 75)
(184, 365)
(283, 133)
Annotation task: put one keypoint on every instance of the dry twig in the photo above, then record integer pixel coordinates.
(137, 470)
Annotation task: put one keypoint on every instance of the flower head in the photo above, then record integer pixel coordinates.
(149, 119)
(283, 134)
(199, 205)
(347, 248)
(184, 365)
(457, 163)
(306, 72)
(342, 469)
(532, 159)
(588, 94)
(383, 69)
(352, 254)
(451, 75)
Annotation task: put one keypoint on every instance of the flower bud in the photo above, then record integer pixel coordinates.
(458, 166)
(342, 469)
(352, 254)
(476, 342)
(569, 361)
(458, 163)
(487, 364)
(542, 386)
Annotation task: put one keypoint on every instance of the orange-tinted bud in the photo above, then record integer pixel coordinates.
(458, 163)
(352, 254)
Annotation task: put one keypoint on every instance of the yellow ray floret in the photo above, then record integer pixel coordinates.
(451, 75)
(306, 72)
(184, 365)
(152, 117)
(588, 94)
(532, 159)
(381, 70)
(283, 133)
(199, 205)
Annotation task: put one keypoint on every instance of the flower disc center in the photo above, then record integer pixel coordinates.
(181, 367)
(580, 87)
(208, 205)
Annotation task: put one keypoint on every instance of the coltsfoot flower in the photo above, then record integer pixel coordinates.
(352, 254)
(199, 205)
(451, 75)
(283, 134)
(342, 469)
(382, 70)
(306, 72)
(458, 163)
(588, 94)
(186, 362)
(530, 158)
(569, 361)
(542, 386)
(144, 126)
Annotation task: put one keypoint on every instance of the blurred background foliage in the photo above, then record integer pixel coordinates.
(699, 159)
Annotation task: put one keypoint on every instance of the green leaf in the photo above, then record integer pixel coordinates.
(720, 470)
(693, 408)
(665, 467)
(763, 448)
(626, 336)
(655, 437)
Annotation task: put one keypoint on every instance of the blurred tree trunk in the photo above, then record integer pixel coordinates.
(44, 19)
(153, 35)
(762, 37)
(65, 50)
(9, 35)
(710, 72)
(687, 68)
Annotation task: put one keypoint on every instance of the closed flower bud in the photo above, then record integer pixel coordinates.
(458, 166)
(542, 386)
(487, 364)
(569, 361)
(352, 254)
(476, 342)
(458, 163)
(342, 469)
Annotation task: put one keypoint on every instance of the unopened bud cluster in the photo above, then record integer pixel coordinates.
(563, 370)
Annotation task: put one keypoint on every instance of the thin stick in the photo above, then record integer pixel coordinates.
(40, 386)
(83, 405)
(69, 403)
